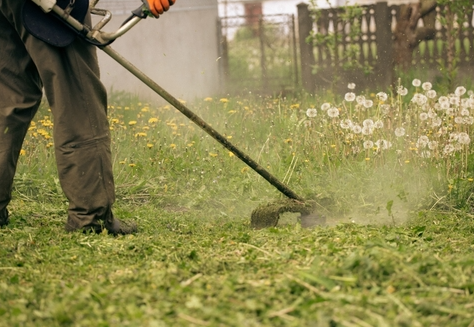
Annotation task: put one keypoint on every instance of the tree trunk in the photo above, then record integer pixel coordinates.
(407, 33)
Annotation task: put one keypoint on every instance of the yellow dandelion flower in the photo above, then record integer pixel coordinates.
(22, 152)
(470, 179)
(145, 128)
(182, 101)
(333, 146)
(288, 141)
(115, 121)
(295, 106)
(126, 108)
(190, 144)
(132, 165)
(50, 144)
(149, 145)
(367, 159)
(224, 100)
(145, 109)
(152, 120)
(244, 170)
(247, 108)
(231, 154)
(173, 146)
(407, 161)
(141, 134)
(208, 99)
(122, 162)
(229, 137)
(232, 111)
(213, 154)
(132, 122)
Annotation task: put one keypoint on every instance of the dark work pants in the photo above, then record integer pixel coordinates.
(78, 102)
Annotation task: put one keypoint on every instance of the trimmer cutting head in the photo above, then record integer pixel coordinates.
(267, 215)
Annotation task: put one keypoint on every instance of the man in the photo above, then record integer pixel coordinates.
(69, 76)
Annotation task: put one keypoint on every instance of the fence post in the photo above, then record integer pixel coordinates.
(383, 35)
(305, 26)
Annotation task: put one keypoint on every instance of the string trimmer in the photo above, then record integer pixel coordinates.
(263, 216)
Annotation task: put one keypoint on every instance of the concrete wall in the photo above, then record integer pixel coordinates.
(179, 50)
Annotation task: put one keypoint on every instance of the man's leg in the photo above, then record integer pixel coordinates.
(78, 103)
(20, 96)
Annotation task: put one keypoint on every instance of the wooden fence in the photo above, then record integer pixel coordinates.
(324, 66)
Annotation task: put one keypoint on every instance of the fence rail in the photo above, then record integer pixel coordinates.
(373, 52)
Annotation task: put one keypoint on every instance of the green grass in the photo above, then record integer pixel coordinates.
(398, 249)
(193, 269)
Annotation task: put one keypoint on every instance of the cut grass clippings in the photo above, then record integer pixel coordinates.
(191, 269)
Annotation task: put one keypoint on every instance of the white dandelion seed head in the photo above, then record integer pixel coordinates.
(436, 121)
(431, 113)
(460, 90)
(360, 99)
(419, 99)
(350, 96)
(307, 123)
(368, 123)
(464, 112)
(402, 90)
(368, 144)
(450, 111)
(333, 112)
(470, 93)
(346, 124)
(469, 120)
(356, 129)
(416, 82)
(448, 149)
(366, 130)
(378, 124)
(382, 96)
(442, 99)
(463, 138)
(423, 116)
(351, 86)
(454, 100)
(325, 106)
(311, 112)
(368, 103)
(426, 86)
(355, 149)
(444, 106)
(459, 120)
(432, 145)
(431, 94)
(385, 108)
(453, 137)
(422, 142)
(399, 131)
